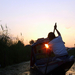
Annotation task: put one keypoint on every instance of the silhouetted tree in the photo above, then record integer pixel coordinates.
(31, 42)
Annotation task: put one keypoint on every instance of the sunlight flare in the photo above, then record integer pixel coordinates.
(46, 45)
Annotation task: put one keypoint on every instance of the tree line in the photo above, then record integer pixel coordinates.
(12, 52)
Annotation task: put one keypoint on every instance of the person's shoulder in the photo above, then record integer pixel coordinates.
(50, 42)
(59, 37)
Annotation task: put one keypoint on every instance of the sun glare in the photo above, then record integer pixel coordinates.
(46, 45)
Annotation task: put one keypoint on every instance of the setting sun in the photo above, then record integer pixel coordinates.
(46, 45)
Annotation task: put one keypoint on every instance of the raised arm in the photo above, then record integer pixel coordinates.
(55, 28)
(58, 32)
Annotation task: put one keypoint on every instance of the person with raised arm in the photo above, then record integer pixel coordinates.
(57, 44)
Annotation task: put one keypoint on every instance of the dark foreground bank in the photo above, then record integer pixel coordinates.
(24, 69)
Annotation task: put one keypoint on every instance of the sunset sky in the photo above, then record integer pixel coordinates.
(36, 18)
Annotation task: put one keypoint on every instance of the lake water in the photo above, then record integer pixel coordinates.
(71, 71)
(24, 69)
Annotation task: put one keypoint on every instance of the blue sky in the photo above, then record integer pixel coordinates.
(36, 18)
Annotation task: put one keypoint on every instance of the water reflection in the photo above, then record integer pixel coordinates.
(32, 72)
(71, 71)
(26, 73)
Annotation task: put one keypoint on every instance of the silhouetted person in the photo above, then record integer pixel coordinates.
(57, 44)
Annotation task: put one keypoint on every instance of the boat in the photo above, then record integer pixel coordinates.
(42, 59)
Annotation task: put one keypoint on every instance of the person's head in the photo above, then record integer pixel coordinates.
(51, 36)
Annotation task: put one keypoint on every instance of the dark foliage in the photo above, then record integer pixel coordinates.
(31, 42)
(72, 52)
(13, 54)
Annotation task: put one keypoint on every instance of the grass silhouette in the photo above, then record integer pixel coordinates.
(12, 53)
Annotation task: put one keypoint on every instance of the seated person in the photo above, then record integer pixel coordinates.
(57, 44)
